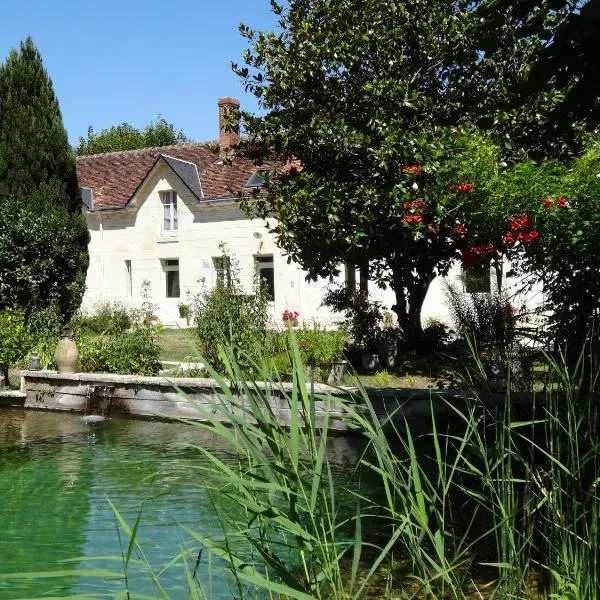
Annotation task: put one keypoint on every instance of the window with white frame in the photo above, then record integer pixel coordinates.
(171, 269)
(169, 202)
(266, 273)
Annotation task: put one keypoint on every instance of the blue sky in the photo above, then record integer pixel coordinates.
(121, 61)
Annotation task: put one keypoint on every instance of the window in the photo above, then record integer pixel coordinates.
(222, 266)
(266, 273)
(171, 269)
(476, 280)
(169, 202)
(128, 281)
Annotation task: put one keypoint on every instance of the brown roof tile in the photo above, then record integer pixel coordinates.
(115, 176)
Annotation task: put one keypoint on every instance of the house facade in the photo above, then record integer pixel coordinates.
(162, 221)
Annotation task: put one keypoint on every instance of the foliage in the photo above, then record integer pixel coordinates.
(319, 350)
(362, 316)
(14, 339)
(34, 149)
(128, 137)
(43, 238)
(43, 254)
(110, 318)
(133, 352)
(361, 100)
(45, 327)
(487, 319)
(566, 63)
(228, 316)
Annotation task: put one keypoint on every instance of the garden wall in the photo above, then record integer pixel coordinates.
(187, 398)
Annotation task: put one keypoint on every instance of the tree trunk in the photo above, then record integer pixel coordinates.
(410, 295)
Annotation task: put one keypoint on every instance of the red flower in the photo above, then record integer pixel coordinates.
(460, 231)
(415, 204)
(476, 255)
(431, 228)
(518, 222)
(464, 188)
(412, 218)
(527, 237)
(562, 202)
(509, 239)
(548, 202)
(413, 169)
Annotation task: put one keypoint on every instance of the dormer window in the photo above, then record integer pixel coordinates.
(169, 202)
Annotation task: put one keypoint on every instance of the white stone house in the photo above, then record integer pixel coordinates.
(159, 217)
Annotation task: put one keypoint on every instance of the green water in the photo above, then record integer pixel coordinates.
(56, 473)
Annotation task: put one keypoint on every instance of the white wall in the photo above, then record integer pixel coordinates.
(134, 234)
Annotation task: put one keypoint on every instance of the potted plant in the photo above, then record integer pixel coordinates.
(184, 312)
(290, 318)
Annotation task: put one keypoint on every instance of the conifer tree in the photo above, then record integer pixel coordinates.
(34, 148)
(43, 236)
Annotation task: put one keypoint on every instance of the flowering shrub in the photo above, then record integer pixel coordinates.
(412, 169)
(464, 188)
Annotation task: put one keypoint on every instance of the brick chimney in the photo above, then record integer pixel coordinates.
(227, 139)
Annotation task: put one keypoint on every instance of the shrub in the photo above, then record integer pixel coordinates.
(45, 326)
(107, 318)
(487, 319)
(319, 350)
(228, 317)
(362, 316)
(14, 339)
(130, 352)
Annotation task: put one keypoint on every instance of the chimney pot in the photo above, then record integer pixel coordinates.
(227, 139)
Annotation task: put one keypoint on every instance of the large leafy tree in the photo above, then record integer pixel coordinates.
(565, 70)
(43, 237)
(354, 92)
(128, 137)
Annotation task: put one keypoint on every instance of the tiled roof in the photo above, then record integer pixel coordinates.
(114, 177)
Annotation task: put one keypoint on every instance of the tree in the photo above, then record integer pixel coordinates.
(43, 237)
(34, 148)
(365, 97)
(127, 137)
(566, 62)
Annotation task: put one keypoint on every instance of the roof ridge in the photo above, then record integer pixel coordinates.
(148, 150)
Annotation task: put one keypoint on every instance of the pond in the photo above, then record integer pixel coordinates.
(57, 474)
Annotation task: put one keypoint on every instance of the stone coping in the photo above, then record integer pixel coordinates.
(162, 381)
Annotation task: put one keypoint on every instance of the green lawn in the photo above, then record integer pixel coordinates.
(178, 344)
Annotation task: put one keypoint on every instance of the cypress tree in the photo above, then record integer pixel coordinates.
(43, 235)
(34, 147)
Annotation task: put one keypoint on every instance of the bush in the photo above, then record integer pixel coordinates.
(319, 350)
(487, 319)
(225, 316)
(107, 318)
(362, 315)
(14, 339)
(130, 352)
(45, 327)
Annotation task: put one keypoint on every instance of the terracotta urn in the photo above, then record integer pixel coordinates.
(66, 355)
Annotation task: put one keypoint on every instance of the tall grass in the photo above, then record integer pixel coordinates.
(498, 499)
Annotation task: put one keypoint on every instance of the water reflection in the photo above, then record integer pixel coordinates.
(56, 473)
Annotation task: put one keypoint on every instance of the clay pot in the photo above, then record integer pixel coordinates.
(66, 355)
